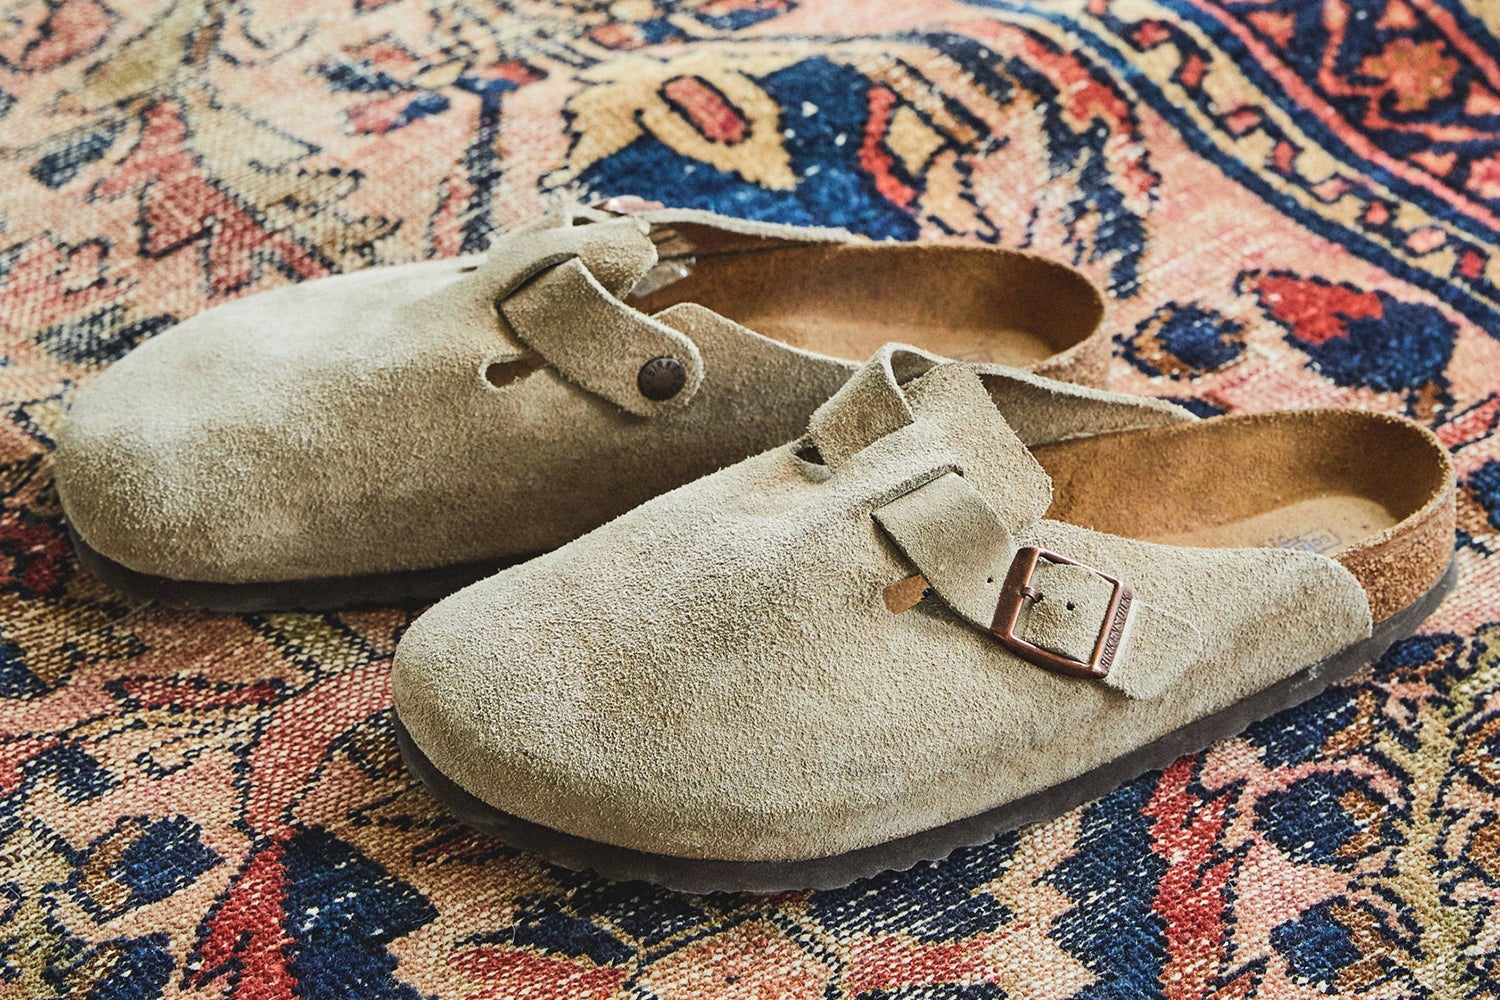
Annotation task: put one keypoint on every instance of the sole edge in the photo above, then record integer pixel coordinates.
(401, 588)
(700, 876)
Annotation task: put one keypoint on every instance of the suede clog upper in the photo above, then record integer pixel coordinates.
(488, 408)
(728, 672)
(732, 671)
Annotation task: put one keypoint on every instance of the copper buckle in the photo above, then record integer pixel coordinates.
(1018, 588)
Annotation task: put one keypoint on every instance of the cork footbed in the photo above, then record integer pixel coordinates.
(1372, 491)
(973, 303)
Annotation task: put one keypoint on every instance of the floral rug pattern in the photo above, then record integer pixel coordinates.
(1291, 202)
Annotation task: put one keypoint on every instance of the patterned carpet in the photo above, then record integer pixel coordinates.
(1293, 202)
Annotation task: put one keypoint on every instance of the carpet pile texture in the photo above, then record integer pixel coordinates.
(1291, 203)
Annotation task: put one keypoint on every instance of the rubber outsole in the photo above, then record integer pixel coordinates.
(411, 587)
(703, 876)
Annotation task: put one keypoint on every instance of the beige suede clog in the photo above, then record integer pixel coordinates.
(395, 433)
(969, 599)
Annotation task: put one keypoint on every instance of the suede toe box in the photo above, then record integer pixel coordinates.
(667, 688)
(230, 448)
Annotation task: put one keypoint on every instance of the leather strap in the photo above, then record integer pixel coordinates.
(965, 550)
(869, 406)
(559, 283)
(558, 292)
(598, 342)
(1072, 605)
(955, 539)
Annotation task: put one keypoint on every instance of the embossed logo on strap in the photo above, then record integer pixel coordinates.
(1019, 589)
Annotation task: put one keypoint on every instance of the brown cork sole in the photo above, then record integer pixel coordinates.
(408, 588)
(702, 876)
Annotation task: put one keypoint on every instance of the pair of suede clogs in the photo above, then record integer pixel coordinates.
(957, 588)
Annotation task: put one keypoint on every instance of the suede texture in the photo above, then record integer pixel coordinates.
(964, 550)
(466, 411)
(720, 672)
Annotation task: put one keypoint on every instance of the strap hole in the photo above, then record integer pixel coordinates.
(1071, 606)
(808, 452)
(503, 373)
(905, 594)
(468, 270)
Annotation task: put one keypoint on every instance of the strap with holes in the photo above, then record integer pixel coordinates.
(551, 289)
(1063, 616)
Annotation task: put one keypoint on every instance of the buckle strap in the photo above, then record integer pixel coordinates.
(596, 341)
(1064, 628)
(1078, 621)
(955, 539)
(557, 292)
(1046, 609)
